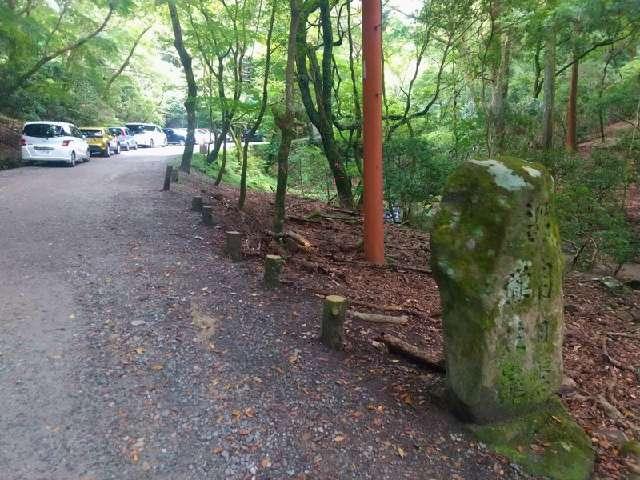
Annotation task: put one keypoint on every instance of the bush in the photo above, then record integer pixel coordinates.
(415, 173)
(590, 204)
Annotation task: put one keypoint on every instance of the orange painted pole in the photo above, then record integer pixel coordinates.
(372, 131)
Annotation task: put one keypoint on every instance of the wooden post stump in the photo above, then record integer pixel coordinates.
(335, 308)
(167, 178)
(196, 204)
(272, 270)
(174, 175)
(207, 215)
(233, 247)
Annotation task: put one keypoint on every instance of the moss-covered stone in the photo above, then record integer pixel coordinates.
(498, 263)
(545, 442)
(497, 260)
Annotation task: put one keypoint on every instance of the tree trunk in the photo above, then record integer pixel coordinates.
(284, 150)
(263, 109)
(497, 106)
(286, 120)
(223, 165)
(192, 88)
(321, 112)
(549, 89)
(572, 109)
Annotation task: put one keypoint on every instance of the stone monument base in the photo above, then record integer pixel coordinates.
(546, 442)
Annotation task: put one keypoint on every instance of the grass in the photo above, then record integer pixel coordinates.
(257, 179)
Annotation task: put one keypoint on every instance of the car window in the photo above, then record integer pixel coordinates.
(149, 128)
(115, 131)
(92, 133)
(127, 131)
(39, 130)
(76, 132)
(136, 128)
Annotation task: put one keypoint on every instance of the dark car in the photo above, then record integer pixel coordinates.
(176, 136)
(256, 137)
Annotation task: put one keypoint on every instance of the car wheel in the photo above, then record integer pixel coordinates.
(87, 156)
(72, 160)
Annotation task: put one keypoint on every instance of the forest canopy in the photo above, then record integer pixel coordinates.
(554, 81)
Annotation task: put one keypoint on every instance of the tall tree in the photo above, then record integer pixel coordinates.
(250, 133)
(549, 84)
(192, 88)
(319, 74)
(285, 119)
(571, 141)
(501, 55)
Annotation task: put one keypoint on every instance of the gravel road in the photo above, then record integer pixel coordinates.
(131, 349)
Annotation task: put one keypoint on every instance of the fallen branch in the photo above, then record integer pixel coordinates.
(296, 237)
(611, 411)
(302, 241)
(400, 347)
(621, 334)
(379, 318)
(386, 266)
(311, 267)
(390, 308)
(613, 361)
(317, 215)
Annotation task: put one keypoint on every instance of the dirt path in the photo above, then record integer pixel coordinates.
(129, 349)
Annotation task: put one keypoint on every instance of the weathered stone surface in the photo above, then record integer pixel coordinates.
(498, 263)
(497, 260)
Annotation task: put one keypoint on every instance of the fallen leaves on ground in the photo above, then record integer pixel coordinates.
(334, 264)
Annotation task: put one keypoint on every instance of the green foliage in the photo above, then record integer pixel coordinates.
(590, 206)
(415, 171)
(257, 179)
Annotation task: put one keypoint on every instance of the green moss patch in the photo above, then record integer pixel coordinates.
(547, 442)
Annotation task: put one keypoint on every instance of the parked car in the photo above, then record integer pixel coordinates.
(100, 141)
(53, 142)
(256, 137)
(125, 138)
(148, 135)
(176, 136)
(204, 136)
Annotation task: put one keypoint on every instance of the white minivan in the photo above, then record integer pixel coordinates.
(53, 142)
(148, 134)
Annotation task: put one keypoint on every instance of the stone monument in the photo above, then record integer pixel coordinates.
(498, 263)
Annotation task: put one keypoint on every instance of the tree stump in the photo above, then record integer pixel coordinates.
(272, 270)
(332, 335)
(207, 215)
(233, 247)
(174, 175)
(167, 178)
(196, 204)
